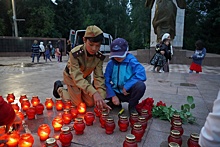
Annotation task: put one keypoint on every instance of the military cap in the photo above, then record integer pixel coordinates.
(93, 31)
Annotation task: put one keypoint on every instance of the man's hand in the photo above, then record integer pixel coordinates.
(115, 100)
(99, 102)
(124, 91)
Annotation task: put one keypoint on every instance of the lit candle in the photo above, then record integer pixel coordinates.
(43, 132)
(13, 139)
(35, 100)
(26, 140)
(67, 116)
(49, 103)
(25, 104)
(10, 97)
(23, 96)
(15, 107)
(20, 115)
(59, 104)
(67, 104)
(81, 108)
(74, 111)
(57, 123)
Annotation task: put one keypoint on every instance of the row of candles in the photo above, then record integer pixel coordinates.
(138, 123)
(176, 131)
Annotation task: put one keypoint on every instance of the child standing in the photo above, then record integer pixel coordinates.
(159, 59)
(57, 54)
(124, 76)
(47, 54)
(197, 57)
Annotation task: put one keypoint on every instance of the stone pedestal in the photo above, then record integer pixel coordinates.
(178, 40)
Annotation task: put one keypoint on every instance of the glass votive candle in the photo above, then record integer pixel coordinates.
(123, 123)
(13, 139)
(143, 122)
(97, 111)
(89, 118)
(177, 125)
(49, 103)
(81, 108)
(31, 113)
(23, 96)
(137, 131)
(59, 104)
(193, 141)
(35, 100)
(67, 104)
(173, 144)
(25, 104)
(175, 137)
(74, 111)
(20, 115)
(133, 119)
(79, 126)
(67, 116)
(65, 136)
(10, 97)
(57, 123)
(176, 117)
(130, 141)
(43, 132)
(51, 142)
(15, 107)
(102, 119)
(109, 125)
(26, 140)
(39, 109)
(145, 114)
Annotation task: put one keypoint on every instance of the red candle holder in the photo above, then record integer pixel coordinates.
(26, 140)
(23, 96)
(25, 104)
(43, 132)
(98, 112)
(173, 144)
(59, 104)
(177, 125)
(31, 113)
(20, 115)
(81, 108)
(176, 117)
(35, 101)
(123, 123)
(15, 107)
(130, 141)
(145, 114)
(143, 122)
(67, 116)
(175, 137)
(39, 109)
(74, 111)
(13, 139)
(67, 104)
(193, 141)
(109, 125)
(102, 119)
(57, 123)
(79, 126)
(133, 119)
(65, 136)
(51, 142)
(137, 131)
(10, 98)
(49, 103)
(89, 118)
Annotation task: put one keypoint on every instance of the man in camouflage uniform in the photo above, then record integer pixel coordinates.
(83, 60)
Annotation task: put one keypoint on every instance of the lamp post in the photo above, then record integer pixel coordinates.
(14, 18)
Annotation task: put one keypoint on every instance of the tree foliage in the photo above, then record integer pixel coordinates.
(120, 18)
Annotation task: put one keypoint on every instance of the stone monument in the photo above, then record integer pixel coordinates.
(167, 16)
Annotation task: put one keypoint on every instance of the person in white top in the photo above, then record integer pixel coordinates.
(42, 50)
(210, 132)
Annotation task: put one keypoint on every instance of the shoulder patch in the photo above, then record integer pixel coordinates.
(78, 53)
(100, 55)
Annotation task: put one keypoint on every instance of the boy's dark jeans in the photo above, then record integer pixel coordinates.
(135, 94)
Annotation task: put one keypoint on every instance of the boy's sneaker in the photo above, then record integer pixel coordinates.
(57, 84)
(132, 110)
(161, 71)
(113, 106)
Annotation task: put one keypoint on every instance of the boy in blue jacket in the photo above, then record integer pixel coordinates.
(124, 76)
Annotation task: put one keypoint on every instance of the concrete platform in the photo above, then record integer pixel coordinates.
(20, 76)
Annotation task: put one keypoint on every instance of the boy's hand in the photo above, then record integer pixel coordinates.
(125, 92)
(115, 100)
(99, 102)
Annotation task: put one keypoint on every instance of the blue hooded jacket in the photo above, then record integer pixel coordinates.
(198, 56)
(123, 75)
